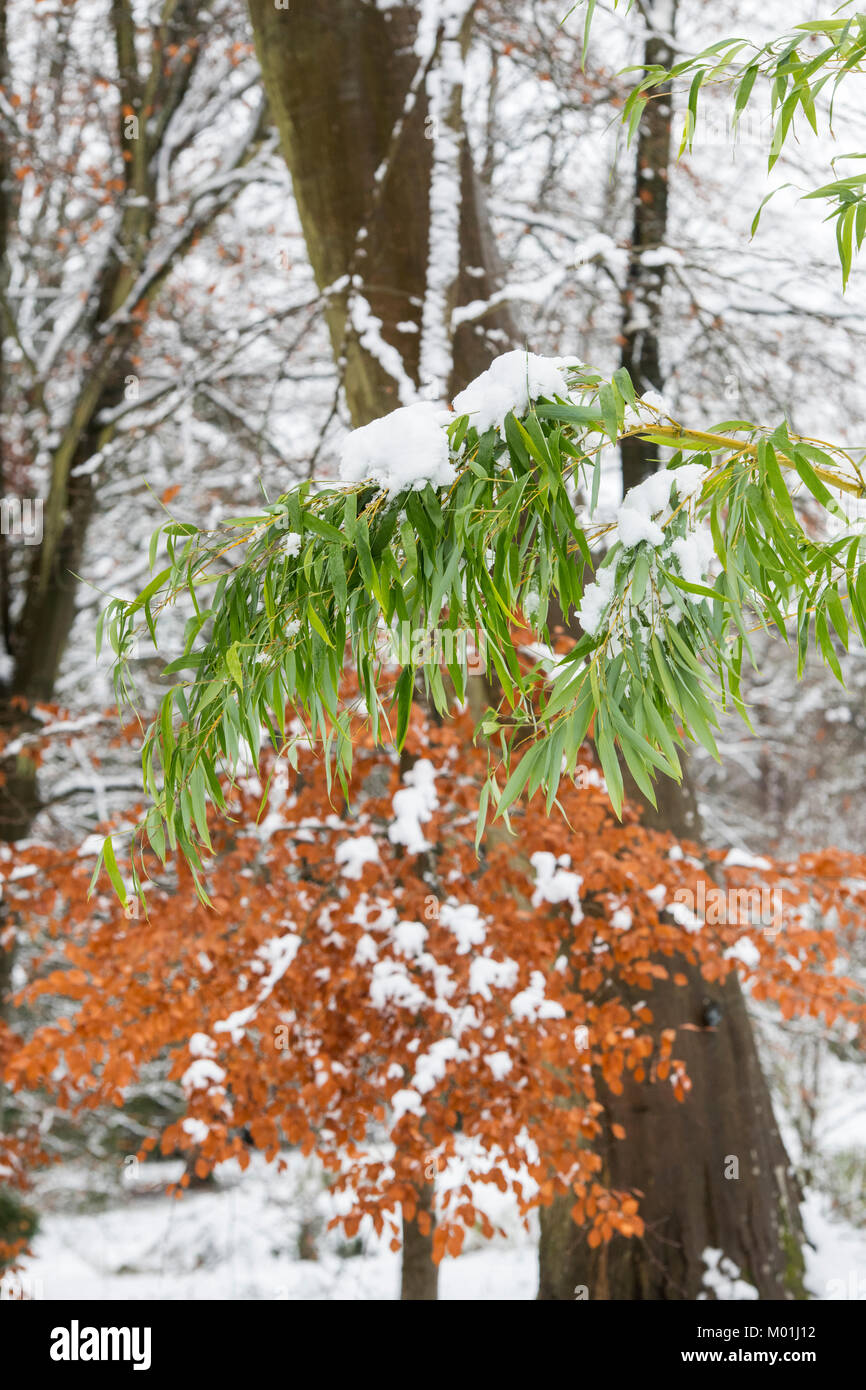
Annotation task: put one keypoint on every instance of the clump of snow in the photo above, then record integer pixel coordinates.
(723, 1277)
(366, 950)
(682, 910)
(406, 449)
(646, 410)
(531, 603)
(633, 526)
(201, 1074)
(556, 883)
(413, 805)
(406, 1102)
(655, 256)
(484, 972)
(688, 479)
(531, 1004)
(840, 714)
(597, 248)
(511, 383)
(291, 543)
(740, 858)
(693, 554)
(746, 951)
(278, 952)
(499, 1063)
(636, 518)
(236, 1023)
(432, 1066)
(197, 1130)
(391, 985)
(409, 938)
(596, 599)
(467, 924)
(352, 855)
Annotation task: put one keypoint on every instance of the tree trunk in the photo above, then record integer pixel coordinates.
(712, 1169)
(642, 300)
(419, 1276)
(361, 166)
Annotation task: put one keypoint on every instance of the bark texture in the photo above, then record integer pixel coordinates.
(645, 280)
(713, 1171)
(337, 76)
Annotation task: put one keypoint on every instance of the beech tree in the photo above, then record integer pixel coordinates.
(370, 990)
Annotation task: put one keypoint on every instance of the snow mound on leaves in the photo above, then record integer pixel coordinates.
(406, 449)
(511, 383)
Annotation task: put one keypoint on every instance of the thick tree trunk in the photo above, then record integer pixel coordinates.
(361, 166)
(712, 1169)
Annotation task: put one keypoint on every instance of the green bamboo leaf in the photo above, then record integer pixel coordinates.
(609, 413)
(233, 662)
(403, 693)
(199, 807)
(113, 871)
(610, 768)
(318, 625)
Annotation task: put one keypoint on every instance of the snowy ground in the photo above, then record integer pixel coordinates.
(241, 1241)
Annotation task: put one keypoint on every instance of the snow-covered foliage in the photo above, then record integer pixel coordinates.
(406, 449)
(233, 389)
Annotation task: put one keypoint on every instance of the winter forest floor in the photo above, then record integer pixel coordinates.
(241, 1240)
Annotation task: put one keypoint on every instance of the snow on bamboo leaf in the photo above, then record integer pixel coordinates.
(481, 523)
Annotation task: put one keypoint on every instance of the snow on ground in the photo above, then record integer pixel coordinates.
(241, 1241)
(836, 1268)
